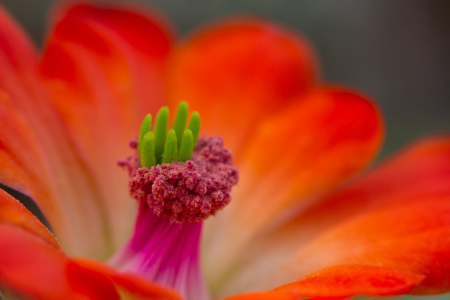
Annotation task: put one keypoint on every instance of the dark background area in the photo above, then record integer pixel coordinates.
(397, 51)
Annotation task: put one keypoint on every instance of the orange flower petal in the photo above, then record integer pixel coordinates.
(237, 72)
(398, 217)
(295, 157)
(422, 169)
(129, 286)
(37, 156)
(33, 268)
(353, 280)
(112, 58)
(13, 212)
(103, 67)
(22, 165)
(18, 55)
(411, 236)
(264, 296)
(309, 149)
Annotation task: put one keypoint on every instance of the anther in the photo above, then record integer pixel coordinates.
(179, 176)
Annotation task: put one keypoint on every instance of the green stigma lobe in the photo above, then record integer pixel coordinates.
(187, 146)
(161, 122)
(147, 150)
(146, 126)
(159, 146)
(170, 148)
(180, 120)
(194, 125)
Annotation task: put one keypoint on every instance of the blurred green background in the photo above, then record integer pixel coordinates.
(398, 51)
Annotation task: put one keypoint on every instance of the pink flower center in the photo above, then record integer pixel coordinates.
(174, 199)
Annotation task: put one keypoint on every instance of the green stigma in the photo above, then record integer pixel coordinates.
(162, 146)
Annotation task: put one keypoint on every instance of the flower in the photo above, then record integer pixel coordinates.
(302, 222)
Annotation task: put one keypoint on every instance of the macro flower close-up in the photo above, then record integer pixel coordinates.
(219, 165)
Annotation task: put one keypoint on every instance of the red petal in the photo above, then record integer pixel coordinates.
(128, 285)
(22, 165)
(20, 169)
(15, 213)
(122, 48)
(397, 217)
(237, 72)
(36, 156)
(309, 149)
(31, 267)
(353, 280)
(264, 296)
(295, 157)
(17, 52)
(103, 66)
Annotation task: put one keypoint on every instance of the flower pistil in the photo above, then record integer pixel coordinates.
(179, 180)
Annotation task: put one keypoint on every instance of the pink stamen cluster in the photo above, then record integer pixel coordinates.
(131, 163)
(186, 192)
